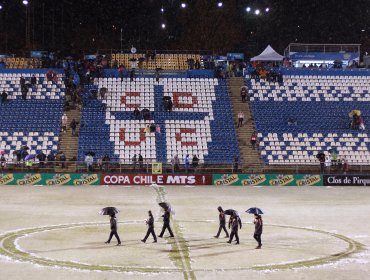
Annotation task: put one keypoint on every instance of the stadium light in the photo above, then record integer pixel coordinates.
(257, 12)
(220, 4)
(248, 9)
(183, 5)
(162, 10)
(163, 26)
(1, 7)
(267, 9)
(25, 2)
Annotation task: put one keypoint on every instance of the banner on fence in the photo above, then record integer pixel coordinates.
(147, 179)
(347, 180)
(267, 180)
(49, 179)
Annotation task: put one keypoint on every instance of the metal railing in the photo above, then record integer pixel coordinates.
(168, 168)
(116, 167)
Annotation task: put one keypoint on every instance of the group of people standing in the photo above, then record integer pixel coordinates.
(235, 224)
(150, 222)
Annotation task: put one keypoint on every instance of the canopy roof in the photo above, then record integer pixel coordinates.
(269, 54)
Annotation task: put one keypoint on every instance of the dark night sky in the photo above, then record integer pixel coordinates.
(75, 26)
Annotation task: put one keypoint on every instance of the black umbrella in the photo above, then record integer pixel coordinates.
(231, 212)
(111, 211)
(254, 210)
(164, 205)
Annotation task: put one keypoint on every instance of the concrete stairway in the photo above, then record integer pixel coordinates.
(249, 157)
(68, 144)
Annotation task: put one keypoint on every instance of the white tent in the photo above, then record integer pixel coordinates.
(269, 54)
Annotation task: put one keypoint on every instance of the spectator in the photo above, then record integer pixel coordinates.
(141, 162)
(361, 125)
(197, 64)
(3, 162)
(195, 162)
(170, 105)
(175, 162)
(22, 82)
(134, 162)
(240, 119)
(62, 159)
(235, 165)
(73, 126)
(345, 165)
(328, 163)
(147, 129)
(334, 158)
(292, 121)
(89, 160)
(243, 94)
(187, 163)
(51, 159)
(24, 91)
(132, 74)
(152, 127)
(146, 114)
(137, 113)
(33, 81)
(158, 128)
(157, 75)
(106, 162)
(254, 139)
(321, 157)
(263, 73)
(4, 96)
(64, 122)
(100, 163)
(28, 163)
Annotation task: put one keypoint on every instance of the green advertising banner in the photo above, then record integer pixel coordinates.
(299, 180)
(49, 179)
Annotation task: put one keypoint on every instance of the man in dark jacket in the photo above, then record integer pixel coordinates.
(234, 222)
(42, 157)
(222, 219)
(4, 96)
(258, 227)
(113, 230)
(166, 223)
(73, 126)
(141, 162)
(150, 223)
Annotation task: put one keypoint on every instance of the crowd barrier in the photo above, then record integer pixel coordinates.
(124, 179)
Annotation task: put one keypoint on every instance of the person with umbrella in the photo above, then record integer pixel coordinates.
(235, 223)
(166, 220)
(258, 227)
(2, 160)
(222, 220)
(111, 211)
(258, 224)
(150, 223)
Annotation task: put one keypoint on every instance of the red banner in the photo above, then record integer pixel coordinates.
(147, 179)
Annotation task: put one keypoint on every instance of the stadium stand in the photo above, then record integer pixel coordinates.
(34, 122)
(163, 61)
(320, 102)
(200, 119)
